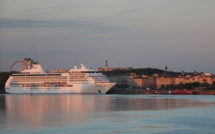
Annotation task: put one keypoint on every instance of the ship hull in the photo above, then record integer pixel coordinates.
(100, 88)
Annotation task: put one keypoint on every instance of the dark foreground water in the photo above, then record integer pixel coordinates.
(104, 114)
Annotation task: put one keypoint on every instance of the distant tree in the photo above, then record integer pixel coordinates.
(187, 86)
(146, 71)
(3, 78)
(167, 87)
(171, 86)
(205, 84)
(162, 86)
(180, 85)
(139, 71)
(195, 84)
(213, 85)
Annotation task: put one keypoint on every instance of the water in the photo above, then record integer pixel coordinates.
(107, 114)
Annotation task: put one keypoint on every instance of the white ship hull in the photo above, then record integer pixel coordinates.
(77, 88)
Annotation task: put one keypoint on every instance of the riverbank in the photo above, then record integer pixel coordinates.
(173, 92)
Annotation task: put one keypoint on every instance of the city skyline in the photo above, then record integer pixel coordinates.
(128, 33)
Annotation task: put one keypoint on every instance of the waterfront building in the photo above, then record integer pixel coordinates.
(202, 78)
(185, 78)
(164, 81)
(122, 81)
(133, 81)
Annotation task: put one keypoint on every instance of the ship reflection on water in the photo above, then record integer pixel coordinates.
(36, 111)
(40, 110)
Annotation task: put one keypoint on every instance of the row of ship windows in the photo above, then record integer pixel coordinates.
(40, 76)
(78, 76)
(41, 85)
(100, 85)
(77, 80)
(72, 80)
(100, 78)
(21, 78)
(96, 76)
(39, 79)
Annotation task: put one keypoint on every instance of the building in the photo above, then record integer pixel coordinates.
(156, 81)
(185, 78)
(164, 81)
(133, 81)
(122, 81)
(201, 78)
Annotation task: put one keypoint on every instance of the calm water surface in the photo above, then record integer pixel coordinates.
(104, 114)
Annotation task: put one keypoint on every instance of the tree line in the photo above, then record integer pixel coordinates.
(138, 71)
(3, 78)
(188, 86)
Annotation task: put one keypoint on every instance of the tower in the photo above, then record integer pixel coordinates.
(166, 68)
(106, 65)
(165, 72)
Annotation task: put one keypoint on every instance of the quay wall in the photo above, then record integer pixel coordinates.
(203, 92)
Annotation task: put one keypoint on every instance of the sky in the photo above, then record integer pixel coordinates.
(179, 34)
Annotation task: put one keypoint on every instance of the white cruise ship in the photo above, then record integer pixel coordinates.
(77, 80)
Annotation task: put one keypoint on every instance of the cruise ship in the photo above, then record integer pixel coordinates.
(32, 79)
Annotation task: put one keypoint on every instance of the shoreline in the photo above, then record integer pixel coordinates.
(164, 92)
(167, 92)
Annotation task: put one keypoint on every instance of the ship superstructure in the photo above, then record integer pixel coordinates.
(77, 80)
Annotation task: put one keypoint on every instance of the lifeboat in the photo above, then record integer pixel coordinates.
(64, 83)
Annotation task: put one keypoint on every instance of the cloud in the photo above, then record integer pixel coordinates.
(52, 8)
(83, 24)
